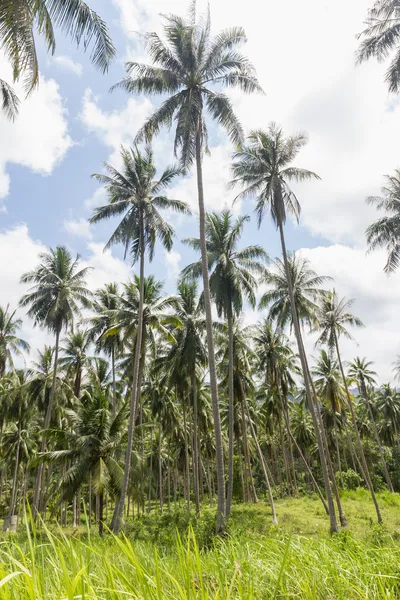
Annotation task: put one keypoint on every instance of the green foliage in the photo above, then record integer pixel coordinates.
(351, 479)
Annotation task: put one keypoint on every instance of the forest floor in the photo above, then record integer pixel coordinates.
(172, 556)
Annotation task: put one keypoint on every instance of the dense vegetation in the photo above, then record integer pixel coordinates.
(152, 405)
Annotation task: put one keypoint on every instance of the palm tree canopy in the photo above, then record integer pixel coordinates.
(277, 362)
(333, 318)
(20, 20)
(233, 271)
(360, 370)
(184, 65)
(139, 197)
(329, 383)
(105, 303)
(306, 290)
(264, 169)
(385, 232)
(381, 38)
(59, 289)
(10, 343)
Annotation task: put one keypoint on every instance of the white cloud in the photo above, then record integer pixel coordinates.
(38, 139)
(172, 263)
(21, 254)
(116, 127)
(376, 296)
(99, 198)
(79, 228)
(66, 63)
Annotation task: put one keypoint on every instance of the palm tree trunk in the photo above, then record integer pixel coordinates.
(262, 461)
(101, 511)
(11, 511)
(132, 413)
(230, 415)
(303, 359)
(196, 479)
(114, 391)
(377, 437)
(337, 449)
(187, 462)
(250, 480)
(220, 524)
(47, 419)
(357, 433)
(160, 471)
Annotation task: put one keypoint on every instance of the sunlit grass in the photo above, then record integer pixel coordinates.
(255, 561)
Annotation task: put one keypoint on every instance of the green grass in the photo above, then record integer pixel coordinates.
(296, 559)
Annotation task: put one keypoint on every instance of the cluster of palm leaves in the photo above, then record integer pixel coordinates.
(173, 394)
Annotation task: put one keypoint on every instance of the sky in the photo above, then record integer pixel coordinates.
(304, 54)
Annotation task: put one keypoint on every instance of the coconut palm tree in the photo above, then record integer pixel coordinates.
(380, 39)
(139, 197)
(334, 318)
(243, 357)
(360, 370)
(385, 232)
(388, 404)
(58, 292)
(21, 20)
(91, 444)
(76, 357)
(264, 169)
(232, 281)
(106, 302)
(329, 385)
(10, 343)
(184, 67)
(306, 285)
(185, 360)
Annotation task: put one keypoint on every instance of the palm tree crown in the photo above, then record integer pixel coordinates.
(19, 21)
(59, 289)
(333, 317)
(184, 66)
(381, 38)
(306, 290)
(385, 232)
(232, 271)
(136, 194)
(10, 343)
(263, 167)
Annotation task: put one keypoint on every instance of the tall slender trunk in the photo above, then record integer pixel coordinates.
(47, 419)
(132, 413)
(160, 471)
(196, 479)
(337, 448)
(357, 433)
(220, 521)
(230, 414)
(101, 512)
(262, 461)
(150, 473)
(114, 391)
(303, 359)
(11, 511)
(187, 462)
(364, 392)
(250, 481)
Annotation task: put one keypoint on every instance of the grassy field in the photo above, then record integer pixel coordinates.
(173, 557)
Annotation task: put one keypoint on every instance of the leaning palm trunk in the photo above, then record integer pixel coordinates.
(357, 433)
(210, 341)
(120, 506)
(304, 365)
(230, 417)
(47, 419)
(262, 461)
(114, 391)
(337, 448)
(377, 437)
